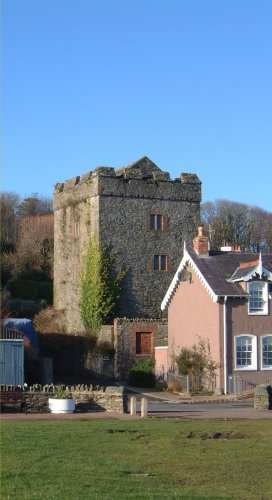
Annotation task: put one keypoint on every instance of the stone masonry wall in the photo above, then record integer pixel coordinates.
(115, 205)
(110, 399)
(125, 341)
(263, 397)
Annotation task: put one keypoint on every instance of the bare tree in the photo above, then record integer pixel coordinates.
(35, 205)
(9, 203)
(230, 222)
(35, 244)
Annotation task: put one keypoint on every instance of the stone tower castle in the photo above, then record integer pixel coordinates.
(137, 211)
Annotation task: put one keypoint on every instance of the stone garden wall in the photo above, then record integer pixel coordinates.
(263, 397)
(88, 398)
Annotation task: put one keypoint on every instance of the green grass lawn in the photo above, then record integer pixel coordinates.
(148, 459)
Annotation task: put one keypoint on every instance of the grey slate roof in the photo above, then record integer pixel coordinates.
(241, 273)
(218, 267)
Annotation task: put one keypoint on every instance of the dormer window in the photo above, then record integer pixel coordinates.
(258, 297)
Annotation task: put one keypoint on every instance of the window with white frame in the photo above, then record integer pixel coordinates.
(258, 297)
(266, 352)
(245, 352)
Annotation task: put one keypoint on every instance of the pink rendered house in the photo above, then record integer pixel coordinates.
(225, 297)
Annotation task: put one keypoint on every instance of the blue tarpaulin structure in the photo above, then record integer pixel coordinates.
(25, 326)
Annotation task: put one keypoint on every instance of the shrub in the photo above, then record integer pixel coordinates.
(49, 320)
(61, 393)
(184, 361)
(142, 373)
(195, 361)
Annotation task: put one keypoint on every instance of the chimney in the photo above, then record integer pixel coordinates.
(231, 248)
(201, 243)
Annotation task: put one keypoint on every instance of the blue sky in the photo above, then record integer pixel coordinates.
(103, 82)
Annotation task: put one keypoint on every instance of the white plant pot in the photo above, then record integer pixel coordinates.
(61, 405)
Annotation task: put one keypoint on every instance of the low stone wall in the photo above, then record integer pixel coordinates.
(35, 402)
(88, 398)
(263, 397)
(112, 399)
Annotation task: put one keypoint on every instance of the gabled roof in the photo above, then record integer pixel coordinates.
(144, 165)
(257, 270)
(239, 273)
(215, 272)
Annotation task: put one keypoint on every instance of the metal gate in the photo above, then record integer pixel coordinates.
(11, 357)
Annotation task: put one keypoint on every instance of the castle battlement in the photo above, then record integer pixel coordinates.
(143, 169)
(142, 179)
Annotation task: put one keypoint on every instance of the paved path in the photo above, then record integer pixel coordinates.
(166, 409)
(230, 410)
(175, 398)
(165, 404)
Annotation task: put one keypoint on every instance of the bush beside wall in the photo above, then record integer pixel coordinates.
(142, 373)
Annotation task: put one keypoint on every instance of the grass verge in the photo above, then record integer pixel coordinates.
(149, 459)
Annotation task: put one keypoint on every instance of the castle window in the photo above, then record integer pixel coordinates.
(160, 263)
(144, 343)
(156, 222)
(258, 298)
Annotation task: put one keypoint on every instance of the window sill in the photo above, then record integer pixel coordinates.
(261, 313)
(144, 355)
(247, 369)
(267, 369)
(160, 270)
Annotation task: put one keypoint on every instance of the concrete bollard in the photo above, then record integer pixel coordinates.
(132, 406)
(144, 407)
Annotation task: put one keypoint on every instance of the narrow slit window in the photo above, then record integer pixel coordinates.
(156, 222)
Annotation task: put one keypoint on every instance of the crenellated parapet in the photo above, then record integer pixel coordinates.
(143, 179)
(125, 175)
